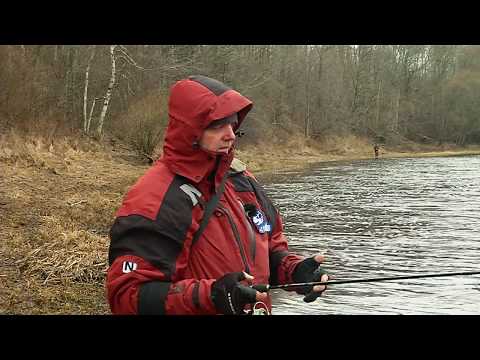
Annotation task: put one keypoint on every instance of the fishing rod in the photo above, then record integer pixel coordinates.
(267, 287)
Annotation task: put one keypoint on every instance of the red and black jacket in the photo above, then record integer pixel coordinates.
(154, 266)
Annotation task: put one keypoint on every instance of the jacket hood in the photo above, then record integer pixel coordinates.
(194, 103)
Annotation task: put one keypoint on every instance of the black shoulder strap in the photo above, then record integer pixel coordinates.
(209, 208)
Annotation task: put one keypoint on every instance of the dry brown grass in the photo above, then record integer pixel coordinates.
(298, 152)
(347, 145)
(57, 202)
(76, 256)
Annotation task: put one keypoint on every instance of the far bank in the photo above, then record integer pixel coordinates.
(276, 158)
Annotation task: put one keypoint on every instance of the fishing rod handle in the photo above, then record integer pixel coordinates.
(267, 287)
(261, 287)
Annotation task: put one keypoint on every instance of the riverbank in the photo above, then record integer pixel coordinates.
(58, 199)
(276, 159)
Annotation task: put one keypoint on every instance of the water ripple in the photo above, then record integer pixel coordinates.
(389, 217)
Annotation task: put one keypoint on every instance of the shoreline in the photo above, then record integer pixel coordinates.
(264, 165)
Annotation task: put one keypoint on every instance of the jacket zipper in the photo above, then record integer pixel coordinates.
(237, 238)
(251, 233)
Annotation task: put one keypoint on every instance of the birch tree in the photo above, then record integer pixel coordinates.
(87, 120)
(108, 95)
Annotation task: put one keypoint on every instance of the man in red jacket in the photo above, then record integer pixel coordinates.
(197, 228)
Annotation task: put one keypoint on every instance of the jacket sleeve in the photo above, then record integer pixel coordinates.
(148, 256)
(136, 287)
(282, 261)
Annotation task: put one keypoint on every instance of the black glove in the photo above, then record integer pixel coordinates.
(229, 296)
(307, 271)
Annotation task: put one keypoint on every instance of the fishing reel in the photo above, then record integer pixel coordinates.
(259, 308)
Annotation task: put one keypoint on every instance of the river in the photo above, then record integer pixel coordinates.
(385, 217)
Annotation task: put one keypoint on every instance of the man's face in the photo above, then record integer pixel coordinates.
(218, 138)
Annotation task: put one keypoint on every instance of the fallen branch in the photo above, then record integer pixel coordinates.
(77, 203)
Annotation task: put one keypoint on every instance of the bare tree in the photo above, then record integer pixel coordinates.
(87, 120)
(108, 95)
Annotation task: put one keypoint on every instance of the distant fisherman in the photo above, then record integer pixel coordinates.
(168, 253)
(376, 148)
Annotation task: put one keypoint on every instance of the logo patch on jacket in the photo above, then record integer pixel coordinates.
(260, 221)
(128, 266)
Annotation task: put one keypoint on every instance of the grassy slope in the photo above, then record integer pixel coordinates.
(57, 203)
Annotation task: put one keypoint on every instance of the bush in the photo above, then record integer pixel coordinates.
(146, 136)
(143, 124)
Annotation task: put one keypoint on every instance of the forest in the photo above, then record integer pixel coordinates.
(387, 93)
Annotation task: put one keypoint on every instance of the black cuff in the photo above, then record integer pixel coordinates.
(275, 260)
(196, 295)
(152, 297)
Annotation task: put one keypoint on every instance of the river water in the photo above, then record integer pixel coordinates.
(385, 217)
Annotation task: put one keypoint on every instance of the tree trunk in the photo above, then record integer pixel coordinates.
(397, 112)
(108, 95)
(307, 93)
(67, 114)
(86, 121)
(377, 120)
(89, 121)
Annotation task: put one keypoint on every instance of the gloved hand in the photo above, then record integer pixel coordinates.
(230, 296)
(307, 271)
